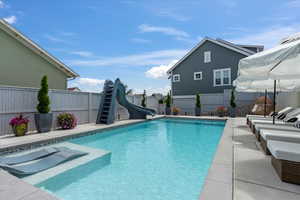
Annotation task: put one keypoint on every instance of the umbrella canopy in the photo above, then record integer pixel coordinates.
(279, 63)
(262, 85)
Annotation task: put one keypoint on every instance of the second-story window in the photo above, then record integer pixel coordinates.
(176, 78)
(222, 77)
(197, 76)
(207, 57)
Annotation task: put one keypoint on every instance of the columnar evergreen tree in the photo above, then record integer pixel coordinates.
(43, 98)
(168, 100)
(144, 99)
(198, 102)
(232, 99)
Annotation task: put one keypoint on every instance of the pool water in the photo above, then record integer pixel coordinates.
(163, 159)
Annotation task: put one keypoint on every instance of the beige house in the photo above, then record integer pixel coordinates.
(23, 62)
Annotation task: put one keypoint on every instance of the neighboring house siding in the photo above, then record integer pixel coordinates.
(221, 57)
(20, 66)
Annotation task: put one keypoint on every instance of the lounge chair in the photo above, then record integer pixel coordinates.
(290, 117)
(267, 135)
(65, 154)
(269, 117)
(12, 160)
(286, 160)
(283, 127)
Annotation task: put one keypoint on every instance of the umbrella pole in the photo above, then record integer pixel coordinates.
(274, 105)
(265, 106)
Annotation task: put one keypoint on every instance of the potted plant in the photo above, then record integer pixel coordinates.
(19, 125)
(232, 109)
(221, 111)
(66, 120)
(198, 105)
(144, 99)
(43, 119)
(175, 110)
(168, 104)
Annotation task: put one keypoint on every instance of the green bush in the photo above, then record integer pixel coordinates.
(144, 99)
(198, 102)
(43, 98)
(161, 101)
(168, 101)
(66, 120)
(232, 99)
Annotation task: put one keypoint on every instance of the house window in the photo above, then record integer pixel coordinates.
(197, 76)
(207, 57)
(176, 78)
(222, 77)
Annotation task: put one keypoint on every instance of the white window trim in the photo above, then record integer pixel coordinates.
(197, 79)
(222, 77)
(207, 56)
(176, 75)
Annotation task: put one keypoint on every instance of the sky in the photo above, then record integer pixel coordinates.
(139, 40)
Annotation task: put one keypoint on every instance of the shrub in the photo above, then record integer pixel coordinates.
(66, 120)
(43, 98)
(175, 110)
(19, 120)
(144, 99)
(221, 109)
(168, 101)
(198, 102)
(161, 101)
(232, 99)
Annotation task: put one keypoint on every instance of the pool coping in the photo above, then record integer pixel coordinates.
(219, 180)
(29, 192)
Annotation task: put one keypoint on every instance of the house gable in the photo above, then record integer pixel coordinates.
(221, 58)
(18, 36)
(222, 43)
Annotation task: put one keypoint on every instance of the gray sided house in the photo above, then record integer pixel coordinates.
(209, 69)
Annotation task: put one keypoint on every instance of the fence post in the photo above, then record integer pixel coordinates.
(89, 107)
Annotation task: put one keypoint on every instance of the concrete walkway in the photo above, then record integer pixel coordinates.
(254, 176)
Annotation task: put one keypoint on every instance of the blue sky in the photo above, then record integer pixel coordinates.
(138, 40)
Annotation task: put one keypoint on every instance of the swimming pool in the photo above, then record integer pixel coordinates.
(162, 159)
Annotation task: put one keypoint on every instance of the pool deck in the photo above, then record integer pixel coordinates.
(239, 170)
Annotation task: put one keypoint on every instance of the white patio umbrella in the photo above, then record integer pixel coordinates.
(279, 63)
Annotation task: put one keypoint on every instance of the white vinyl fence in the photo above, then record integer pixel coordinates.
(210, 102)
(83, 105)
(14, 101)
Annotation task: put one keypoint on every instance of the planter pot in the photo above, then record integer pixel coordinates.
(197, 111)
(168, 110)
(20, 130)
(43, 122)
(175, 113)
(232, 112)
(220, 114)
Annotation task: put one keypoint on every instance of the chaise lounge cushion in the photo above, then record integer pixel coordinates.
(280, 135)
(285, 150)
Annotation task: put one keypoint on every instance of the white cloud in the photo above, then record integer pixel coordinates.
(2, 5)
(269, 37)
(87, 84)
(140, 40)
(82, 53)
(173, 15)
(293, 3)
(160, 72)
(145, 59)
(144, 28)
(54, 39)
(11, 19)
